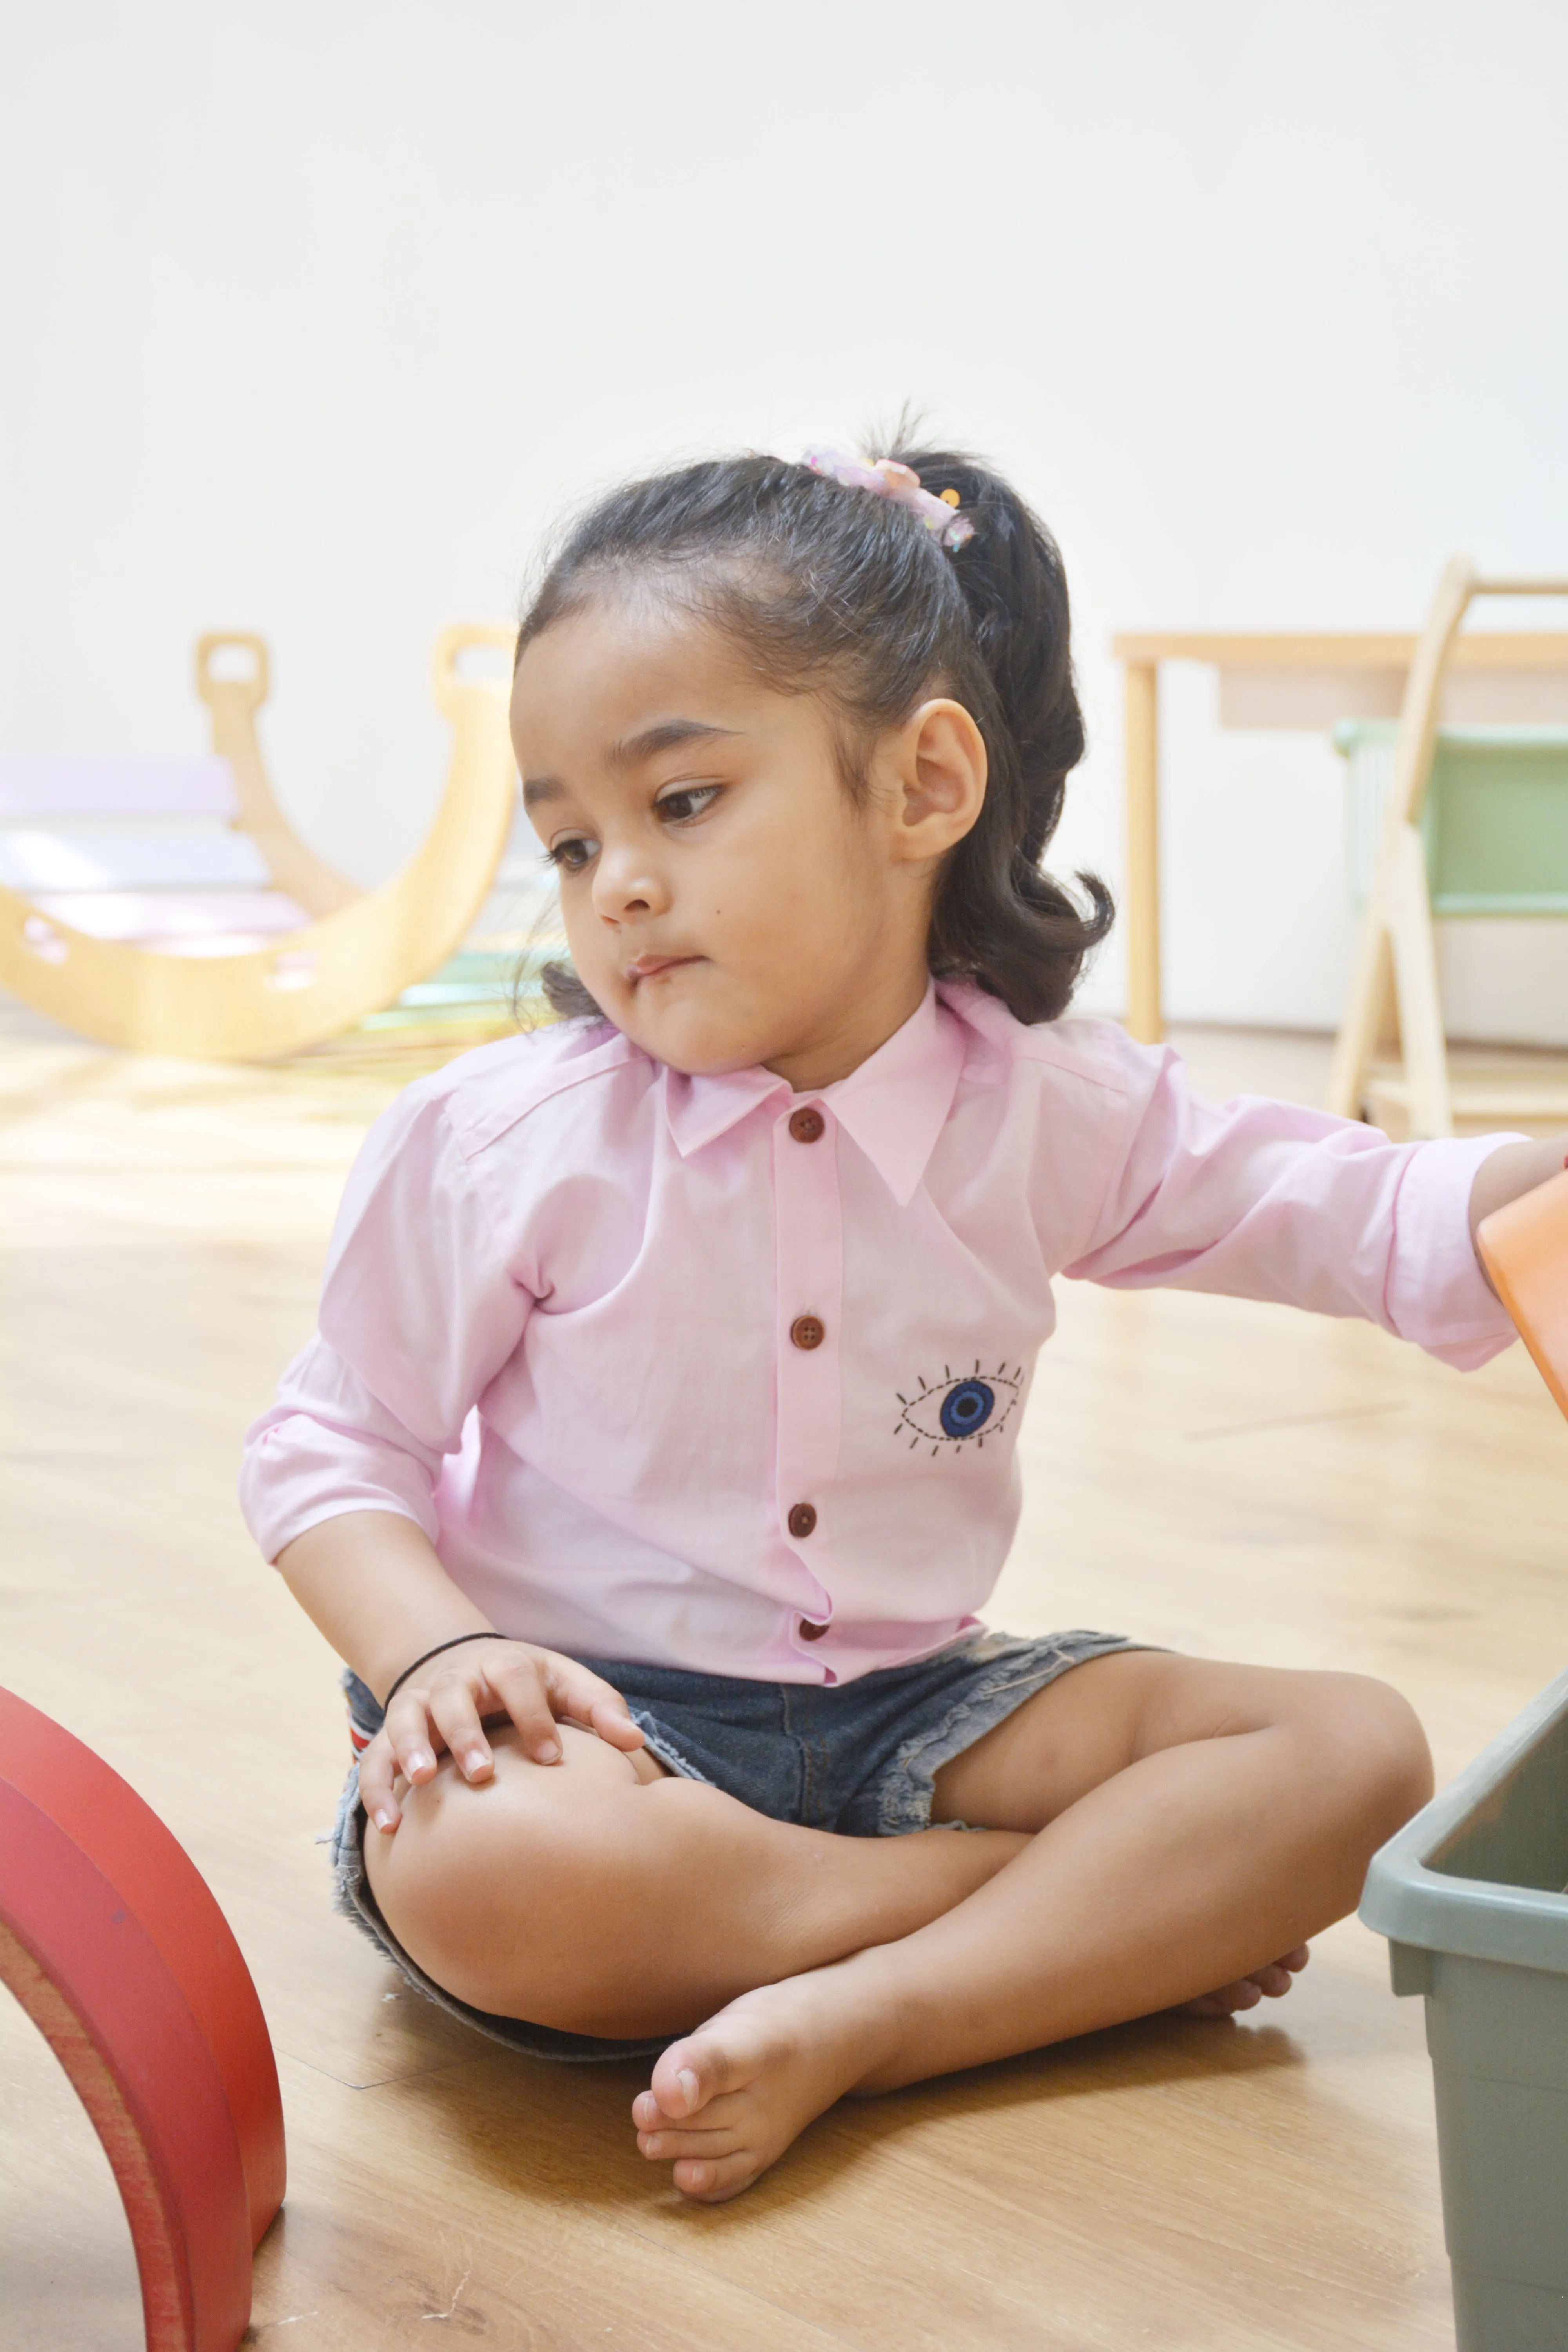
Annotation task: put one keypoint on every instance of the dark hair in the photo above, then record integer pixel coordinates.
(833, 588)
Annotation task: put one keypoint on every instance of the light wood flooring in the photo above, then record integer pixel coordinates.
(1232, 1479)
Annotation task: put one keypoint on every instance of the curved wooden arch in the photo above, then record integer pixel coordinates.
(233, 703)
(113, 1944)
(358, 954)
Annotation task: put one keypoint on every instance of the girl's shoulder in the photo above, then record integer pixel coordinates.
(482, 1095)
(1078, 1048)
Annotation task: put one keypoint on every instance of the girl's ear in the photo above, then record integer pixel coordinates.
(938, 776)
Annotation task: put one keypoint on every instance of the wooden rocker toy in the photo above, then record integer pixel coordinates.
(1473, 821)
(113, 1943)
(169, 908)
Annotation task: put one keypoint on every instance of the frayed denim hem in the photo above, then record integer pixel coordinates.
(1024, 1667)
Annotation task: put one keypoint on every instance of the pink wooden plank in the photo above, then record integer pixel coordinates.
(160, 853)
(46, 784)
(181, 921)
(217, 943)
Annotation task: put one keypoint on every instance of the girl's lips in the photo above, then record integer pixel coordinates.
(650, 967)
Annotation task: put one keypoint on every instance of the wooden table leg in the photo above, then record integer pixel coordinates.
(1141, 909)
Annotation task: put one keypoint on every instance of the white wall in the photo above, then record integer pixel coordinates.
(316, 315)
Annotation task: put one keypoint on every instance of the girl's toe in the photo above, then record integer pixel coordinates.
(1227, 1999)
(684, 2079)
(709, 2180)
(670, 2146)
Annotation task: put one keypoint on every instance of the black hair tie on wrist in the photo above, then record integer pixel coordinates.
(490, 1634)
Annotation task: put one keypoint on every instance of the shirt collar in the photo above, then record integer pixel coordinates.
(893, 1107)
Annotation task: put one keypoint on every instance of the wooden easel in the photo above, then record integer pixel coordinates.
(1395, 999)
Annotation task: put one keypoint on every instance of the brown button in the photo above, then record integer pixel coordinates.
(808, 1331)
(810, 1632)
(806, 1126)
(802, 1520)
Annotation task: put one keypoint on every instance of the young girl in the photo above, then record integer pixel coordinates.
(657, 1451)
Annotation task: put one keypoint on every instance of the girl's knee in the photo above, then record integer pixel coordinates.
(1365, 1743)
(499, 1893)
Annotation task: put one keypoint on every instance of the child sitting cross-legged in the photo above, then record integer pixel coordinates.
(657, 1453)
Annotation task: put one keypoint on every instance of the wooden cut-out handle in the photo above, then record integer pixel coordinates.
(1524, 1248)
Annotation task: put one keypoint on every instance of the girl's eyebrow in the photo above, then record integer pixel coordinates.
(668, 735)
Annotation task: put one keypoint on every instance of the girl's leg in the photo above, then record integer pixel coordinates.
(603, 1896)
(1193, 1821)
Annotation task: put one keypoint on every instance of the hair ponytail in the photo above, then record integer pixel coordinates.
(833, 588)
(998, 916)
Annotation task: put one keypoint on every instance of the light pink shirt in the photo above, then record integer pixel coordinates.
(557, 1328)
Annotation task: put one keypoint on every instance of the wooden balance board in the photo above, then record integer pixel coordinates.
(168, 907)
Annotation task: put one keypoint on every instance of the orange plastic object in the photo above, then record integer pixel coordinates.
(1524, 1248)
(112, 1942)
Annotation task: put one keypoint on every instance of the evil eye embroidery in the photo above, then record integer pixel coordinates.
(966, 1409)
(961, 1406)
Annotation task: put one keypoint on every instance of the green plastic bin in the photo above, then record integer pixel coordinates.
(1470, 1895)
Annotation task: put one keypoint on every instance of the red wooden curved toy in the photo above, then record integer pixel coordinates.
(112, 1942)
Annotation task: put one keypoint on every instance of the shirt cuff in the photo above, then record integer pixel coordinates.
(296, 1473)
(1438, 1295)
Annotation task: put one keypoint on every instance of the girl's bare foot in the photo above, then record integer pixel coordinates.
(1264, 1984)
(727, 2100)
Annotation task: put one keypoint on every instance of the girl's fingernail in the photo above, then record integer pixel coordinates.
(421, 1760)
(689, 2085)
(548, 1751)
(385, 1818)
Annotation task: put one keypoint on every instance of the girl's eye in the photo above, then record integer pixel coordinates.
(686, 802)
(571, 855)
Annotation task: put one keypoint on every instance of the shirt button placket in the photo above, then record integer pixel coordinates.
(810, 1270)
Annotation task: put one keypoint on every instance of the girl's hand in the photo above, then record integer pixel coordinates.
(443, 1706)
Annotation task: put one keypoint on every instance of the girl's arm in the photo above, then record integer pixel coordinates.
(1258, 1199)
(423, 1303)
(1513, 1168)
(372, 1582)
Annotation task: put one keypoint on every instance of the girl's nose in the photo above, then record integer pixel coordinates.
(625, 883)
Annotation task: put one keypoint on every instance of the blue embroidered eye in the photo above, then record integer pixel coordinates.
(966, 1408)
(961, 1406)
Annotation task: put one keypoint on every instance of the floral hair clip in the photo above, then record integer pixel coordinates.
(888, 479)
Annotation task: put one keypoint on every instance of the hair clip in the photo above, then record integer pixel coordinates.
(887, 478)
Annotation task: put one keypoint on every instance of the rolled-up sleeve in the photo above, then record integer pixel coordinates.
(1269, 1200)
(419, 1312)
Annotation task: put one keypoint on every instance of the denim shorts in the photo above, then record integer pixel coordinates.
(857, 1758)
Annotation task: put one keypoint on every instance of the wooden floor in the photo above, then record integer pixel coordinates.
(1232, 1479)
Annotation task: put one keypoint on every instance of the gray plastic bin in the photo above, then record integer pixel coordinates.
(1470, 1897)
